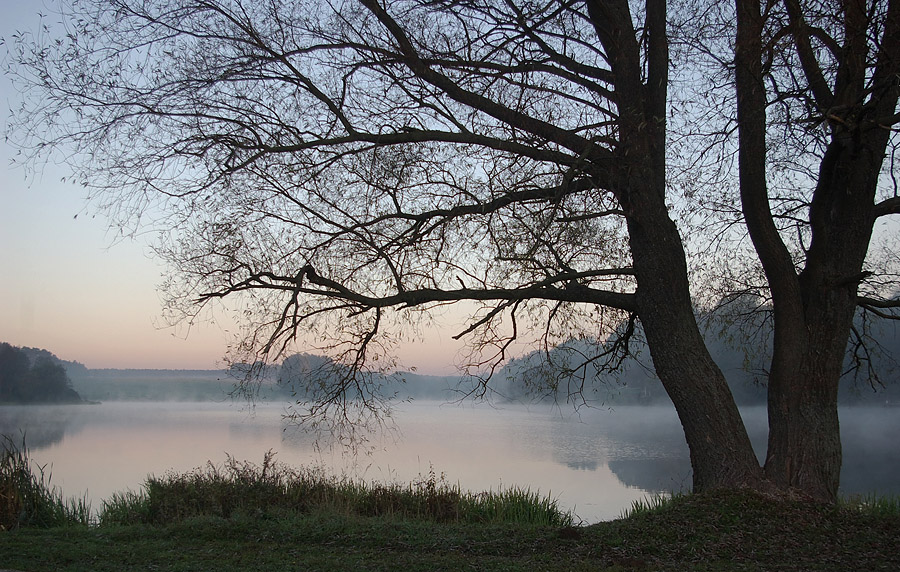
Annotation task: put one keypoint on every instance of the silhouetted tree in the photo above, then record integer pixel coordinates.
(23, 382)
(14, 368)
(828, 75)
(339, 168)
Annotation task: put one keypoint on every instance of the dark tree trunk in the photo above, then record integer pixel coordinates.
(804, 449)
(814, 309)
(721, 453)
(804, 432)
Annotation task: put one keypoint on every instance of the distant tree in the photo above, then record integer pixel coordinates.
(48, 381)
(14, 366)
(339, 168)
(43, 381)
(574, 370)
(304, 375)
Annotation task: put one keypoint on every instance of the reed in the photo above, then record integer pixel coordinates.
(271, 489)
(27, 498)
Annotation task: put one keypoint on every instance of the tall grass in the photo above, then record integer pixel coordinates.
(241, 488)
(873, 504)
(651, 503)
(26, 496)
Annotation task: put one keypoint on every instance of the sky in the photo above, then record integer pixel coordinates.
(68, 284)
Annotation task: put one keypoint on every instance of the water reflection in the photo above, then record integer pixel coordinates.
(871, 457)
(597, 462)
(654, 475)
(40, 425)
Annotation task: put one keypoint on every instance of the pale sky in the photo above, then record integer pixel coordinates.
(68, 286)
(64, 285)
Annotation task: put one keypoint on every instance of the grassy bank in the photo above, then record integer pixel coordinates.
(270, 517)
(273, 490)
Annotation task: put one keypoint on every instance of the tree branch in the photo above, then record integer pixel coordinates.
(817, 82)
(512, 117)
(887, 207)
(877, 306)
(751, 106)
(546, 289)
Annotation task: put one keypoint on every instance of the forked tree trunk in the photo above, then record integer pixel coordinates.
(804, 431)
(814, 309)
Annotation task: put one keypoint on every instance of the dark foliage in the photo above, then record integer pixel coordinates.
(23, 381)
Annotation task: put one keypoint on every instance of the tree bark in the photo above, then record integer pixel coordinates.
(804, 431)
(813, 309)
(721, 453)
(804, 447)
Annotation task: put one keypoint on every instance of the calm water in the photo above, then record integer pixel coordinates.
(596, 462)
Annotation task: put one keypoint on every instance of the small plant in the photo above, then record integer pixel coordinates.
(126, 508)
(26, 497)
(515, 505)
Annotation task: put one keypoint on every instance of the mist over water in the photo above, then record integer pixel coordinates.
(596, 461)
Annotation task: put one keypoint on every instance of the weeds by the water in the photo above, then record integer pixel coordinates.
(648, 504)
(717, 530)
(26, 496)
(241, 516)
(872, 504)
(241, 488)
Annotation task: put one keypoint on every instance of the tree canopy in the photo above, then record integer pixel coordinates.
(342, 170)
(42, 381)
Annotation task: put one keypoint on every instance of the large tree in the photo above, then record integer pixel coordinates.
(342, 168)
(827, 74)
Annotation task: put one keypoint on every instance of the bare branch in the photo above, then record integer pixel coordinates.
(888, 207)
(877, 306)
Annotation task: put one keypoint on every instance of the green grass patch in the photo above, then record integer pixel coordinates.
(740, 529)
(872, 504)
(736, 530)
(650, 504)
(272, 489)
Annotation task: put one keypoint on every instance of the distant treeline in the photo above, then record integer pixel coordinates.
(298, 377)
(30, 375)
(152, 384)
(307, 376)
(870, 379)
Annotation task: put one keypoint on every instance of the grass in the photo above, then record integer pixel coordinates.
(273, 489)
(243, 516)
(873, 504)
(650, 504)
(732, 529)
(27, 497)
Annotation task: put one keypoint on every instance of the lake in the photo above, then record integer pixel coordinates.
(595, 462)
